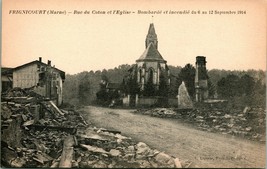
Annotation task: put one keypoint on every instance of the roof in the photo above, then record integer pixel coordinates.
(3, 69)
(113, 86)
(151, 54)
(151, 36)
(62, 73)
(151, 30)
(6, 70)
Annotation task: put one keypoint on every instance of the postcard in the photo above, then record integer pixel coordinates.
(134, 84)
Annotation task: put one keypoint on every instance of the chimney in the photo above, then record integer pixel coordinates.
(40, 59)
(49, 63)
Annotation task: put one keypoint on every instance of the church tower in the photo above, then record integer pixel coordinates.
(151, 66)
(152, 36)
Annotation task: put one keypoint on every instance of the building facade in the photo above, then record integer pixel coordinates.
(45, 79)
(151, 65)
(149, 78)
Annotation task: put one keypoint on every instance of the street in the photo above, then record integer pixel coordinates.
(182, 140)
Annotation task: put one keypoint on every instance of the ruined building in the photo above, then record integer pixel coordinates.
(201, 79)
(152, 70)
(151, 65)
(44, 79)
(6, 79)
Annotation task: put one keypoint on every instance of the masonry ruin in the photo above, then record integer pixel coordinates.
(201, 79)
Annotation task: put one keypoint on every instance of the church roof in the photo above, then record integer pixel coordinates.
(151, 54)
(151, 30)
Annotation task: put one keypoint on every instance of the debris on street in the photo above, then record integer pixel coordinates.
(159, 112)
(248, 123)
(36, 133)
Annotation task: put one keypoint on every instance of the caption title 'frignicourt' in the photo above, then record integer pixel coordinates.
(27, 12)
(37, 12)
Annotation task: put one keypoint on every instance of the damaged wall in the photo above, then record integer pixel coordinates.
(46, 80)
(26, 76)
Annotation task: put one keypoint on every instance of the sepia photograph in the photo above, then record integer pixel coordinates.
(133, 84)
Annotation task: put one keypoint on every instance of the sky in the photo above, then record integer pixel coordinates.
(85, 42)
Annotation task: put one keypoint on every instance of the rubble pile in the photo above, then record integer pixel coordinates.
(249, 123)
(36, 133)
(158, 112)
(33, 129)
(102, 148)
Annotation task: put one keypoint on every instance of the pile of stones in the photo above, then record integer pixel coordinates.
(102, 148)
(36, 133)
(247, 123)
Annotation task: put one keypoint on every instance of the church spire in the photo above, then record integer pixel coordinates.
(152, 36)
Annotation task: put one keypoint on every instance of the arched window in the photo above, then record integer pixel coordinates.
(150, 75)
(140, 75)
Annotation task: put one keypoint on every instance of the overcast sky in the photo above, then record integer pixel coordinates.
(85, 42)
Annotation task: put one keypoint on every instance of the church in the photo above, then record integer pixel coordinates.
(150, 73)
(151, 66)
(150, 78)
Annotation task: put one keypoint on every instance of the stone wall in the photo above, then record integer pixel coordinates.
(146, 101)
(173, 102)
(26, 77)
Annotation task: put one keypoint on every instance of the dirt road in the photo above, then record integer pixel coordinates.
(182, 140)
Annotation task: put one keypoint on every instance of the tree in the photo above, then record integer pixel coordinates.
(133, 87)
(149, 89)
(70, 87)
(173, 88)
(211, 88)
(259, 94)
(247, 84)
(84, 90)
(187, 74)
(163, 84)
(174, 80)
(229, 86)
(73, 83)
(129, 84)
(104, 81)
(102, 95)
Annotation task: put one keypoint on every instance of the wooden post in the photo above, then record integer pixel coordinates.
(129, 99)
(36, 112)
(67, 153)
(136, 100)
(56, 108)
